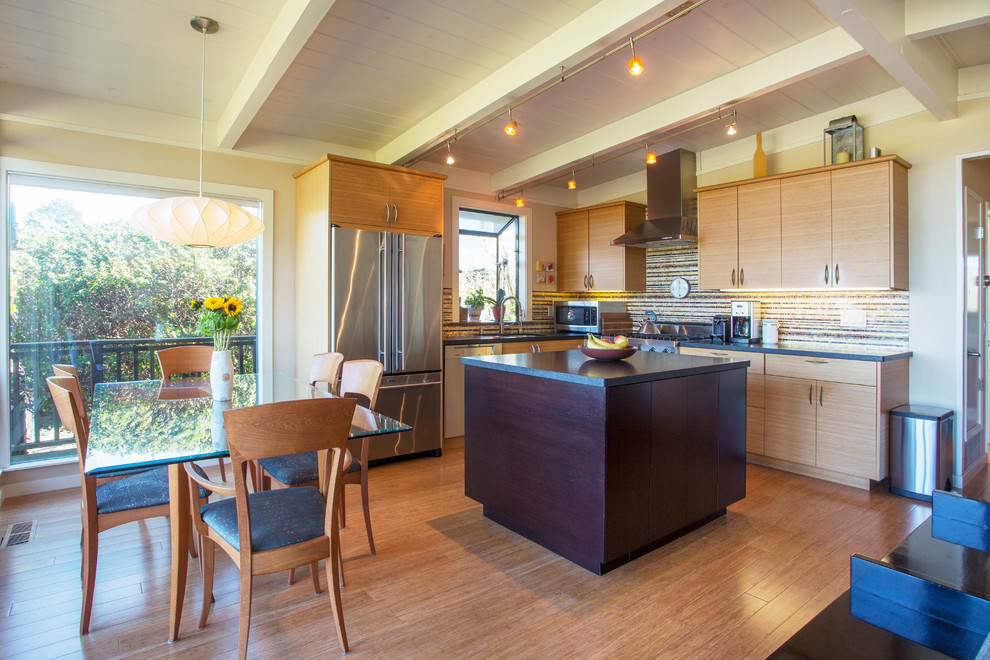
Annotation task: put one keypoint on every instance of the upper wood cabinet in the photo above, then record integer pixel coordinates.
(842, 226)
(586, 260)
(365, 195)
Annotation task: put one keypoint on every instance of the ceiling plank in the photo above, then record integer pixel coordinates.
(924, 18)
(292, 28)
(879, 28)
(824, 51)
(593, 30)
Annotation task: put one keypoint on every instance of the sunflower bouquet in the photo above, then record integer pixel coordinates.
(217, 318)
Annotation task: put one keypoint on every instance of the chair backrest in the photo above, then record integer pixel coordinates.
(289, 427)
(184, 360)
(69, 371)
(361, 377)
(325, 368)
(62, 389)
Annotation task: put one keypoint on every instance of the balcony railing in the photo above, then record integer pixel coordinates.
(34, 425)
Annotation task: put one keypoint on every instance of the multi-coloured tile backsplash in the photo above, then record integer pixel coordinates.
(803, 315)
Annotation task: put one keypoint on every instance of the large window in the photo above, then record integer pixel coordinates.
(488, 258)
(87, 288)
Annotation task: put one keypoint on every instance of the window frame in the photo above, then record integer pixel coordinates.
(524, 238)
(169, 186)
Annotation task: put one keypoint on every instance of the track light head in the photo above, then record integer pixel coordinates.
(635, 64)
(520, 202)
(572, 182)
(450, 156)
(731, 129)
(651, 157)
(511, 128)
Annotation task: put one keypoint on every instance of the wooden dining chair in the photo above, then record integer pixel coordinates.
(325, 368)
(106, 502)
(275, 530)
(360, 379)
(187, 360)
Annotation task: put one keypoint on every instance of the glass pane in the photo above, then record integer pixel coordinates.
(488, 259)
(87, 288)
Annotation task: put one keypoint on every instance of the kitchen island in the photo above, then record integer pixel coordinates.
(601, 461)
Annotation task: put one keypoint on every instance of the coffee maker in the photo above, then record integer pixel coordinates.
(745, 321)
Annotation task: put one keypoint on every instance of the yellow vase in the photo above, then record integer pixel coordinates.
(759, 158)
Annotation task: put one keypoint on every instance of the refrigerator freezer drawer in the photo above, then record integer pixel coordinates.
(414, 400)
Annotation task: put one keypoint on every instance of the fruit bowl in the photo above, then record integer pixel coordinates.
(607, 353)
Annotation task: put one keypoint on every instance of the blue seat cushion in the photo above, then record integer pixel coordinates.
(136, 491)
(280, 517)
(292, 469)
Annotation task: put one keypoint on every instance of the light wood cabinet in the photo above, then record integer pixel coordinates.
(365, 195)
(828, 417)
(542, 346)
(585, 258)
(754, 390)
(841, 226)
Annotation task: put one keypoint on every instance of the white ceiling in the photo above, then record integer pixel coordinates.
(394, 80)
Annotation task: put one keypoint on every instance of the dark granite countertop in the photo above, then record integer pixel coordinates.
(575, 367)
(506, 338)
(810, 349)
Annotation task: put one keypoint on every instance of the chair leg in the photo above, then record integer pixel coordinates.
(314, 570)
(90, 550)
(342, 513)
(333, 577)
(207, 551)
(245, 627)
(292, 577)
(223, 470)
(192, 544)
(367, 510)
(340, 564)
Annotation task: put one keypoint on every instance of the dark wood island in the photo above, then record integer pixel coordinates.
(603, 461)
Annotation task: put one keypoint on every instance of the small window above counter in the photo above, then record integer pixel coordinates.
(835, 227)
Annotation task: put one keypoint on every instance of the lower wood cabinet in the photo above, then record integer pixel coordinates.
(541, 346)
(754, 390)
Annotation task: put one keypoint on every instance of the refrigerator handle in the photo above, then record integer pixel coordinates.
(400, 262)
(383, 292)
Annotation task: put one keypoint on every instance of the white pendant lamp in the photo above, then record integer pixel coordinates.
(198, 221)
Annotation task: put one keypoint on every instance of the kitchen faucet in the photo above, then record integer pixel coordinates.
(501, 316)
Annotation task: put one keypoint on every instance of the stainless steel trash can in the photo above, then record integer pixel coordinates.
(920, 450)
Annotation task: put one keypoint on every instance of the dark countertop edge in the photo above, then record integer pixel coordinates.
(504, 339)
(834, 351)
(710, 365)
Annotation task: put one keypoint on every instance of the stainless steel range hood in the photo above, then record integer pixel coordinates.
(671, 209)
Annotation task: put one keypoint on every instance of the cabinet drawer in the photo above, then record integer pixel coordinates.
(857, 372)
(755, 359)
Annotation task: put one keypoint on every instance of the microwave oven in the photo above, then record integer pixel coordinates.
(583, 315)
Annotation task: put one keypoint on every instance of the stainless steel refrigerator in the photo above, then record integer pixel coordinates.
(386, 305)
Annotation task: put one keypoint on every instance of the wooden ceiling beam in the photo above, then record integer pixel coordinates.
(292, 28)
(591, 32)
(920, 68)
(822, 52)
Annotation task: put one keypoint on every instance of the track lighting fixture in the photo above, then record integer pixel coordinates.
(520, 202)
(635, 64)
(512, 127)
(731, 129)
(450, 156)
(572, 182)
(651, 156)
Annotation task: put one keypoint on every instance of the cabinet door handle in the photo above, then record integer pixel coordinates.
(742, 276)
(836, 273)
(973, 354)
(395, 214)
(725, 354)
(585, 281)
(821, 388)
(591, 279)
(733, 277)
(388, 213)
(817, 361)
(811, 401)
(826, 273)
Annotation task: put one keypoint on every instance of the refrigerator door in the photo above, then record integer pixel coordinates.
(415, 400)
(417, 304)
(357, 322)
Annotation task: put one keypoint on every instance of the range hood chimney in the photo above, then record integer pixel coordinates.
(671, 208)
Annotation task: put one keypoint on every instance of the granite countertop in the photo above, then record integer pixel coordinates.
(575, 367)
(507, 338)
(810, 349)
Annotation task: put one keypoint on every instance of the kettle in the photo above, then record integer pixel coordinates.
(649, 327)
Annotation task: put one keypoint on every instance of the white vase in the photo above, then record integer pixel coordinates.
(222, 376)
(217, 429)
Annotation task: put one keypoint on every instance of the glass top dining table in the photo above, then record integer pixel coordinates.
(151, 423)
(146, 423)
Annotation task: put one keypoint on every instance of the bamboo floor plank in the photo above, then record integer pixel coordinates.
(448, 583)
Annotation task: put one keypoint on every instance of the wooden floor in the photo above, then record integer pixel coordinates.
(447, 583)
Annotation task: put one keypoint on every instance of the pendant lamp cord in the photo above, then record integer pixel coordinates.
(202, 113)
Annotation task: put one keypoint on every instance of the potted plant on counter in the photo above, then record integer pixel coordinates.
(476, 301)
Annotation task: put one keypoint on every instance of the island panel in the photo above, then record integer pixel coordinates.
(731, 437)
